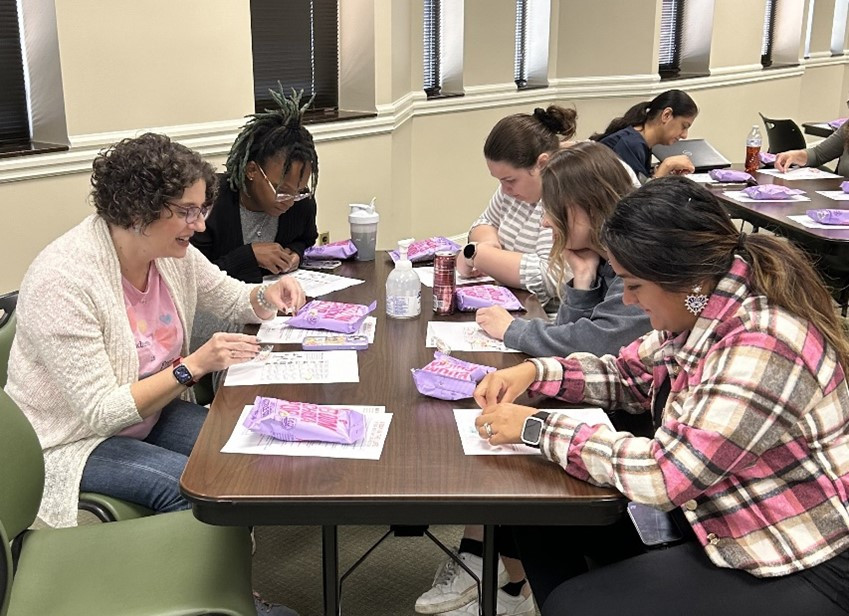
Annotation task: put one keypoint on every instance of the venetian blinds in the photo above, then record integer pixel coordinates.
(669, 56)
(520, 67)
(432, 47)
(769, 29)
(14, 117)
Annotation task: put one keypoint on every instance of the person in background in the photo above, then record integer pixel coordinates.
(663, 120)
(580, 188)
(508, 241)
(264, 216)
(834, 146)
(745, 376)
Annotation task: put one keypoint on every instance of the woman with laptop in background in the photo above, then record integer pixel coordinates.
(661, 121)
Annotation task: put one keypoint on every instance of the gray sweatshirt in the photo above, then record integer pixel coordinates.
(833, 147)
(593, 320)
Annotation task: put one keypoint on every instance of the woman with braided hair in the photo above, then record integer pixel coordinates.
(264, 216)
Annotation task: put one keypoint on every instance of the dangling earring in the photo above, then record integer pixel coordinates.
(696, 301)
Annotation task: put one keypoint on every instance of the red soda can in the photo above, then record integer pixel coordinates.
(444, 282)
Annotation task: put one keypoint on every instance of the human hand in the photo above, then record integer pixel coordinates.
(505, 385)
(292, 260)
(505, 422)
(584, 265)
(784, 160)
(271, 256)
(494, 320)
(287, 294)
(221, 351)
(675, 165)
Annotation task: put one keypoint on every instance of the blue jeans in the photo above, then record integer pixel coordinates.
(147, 472)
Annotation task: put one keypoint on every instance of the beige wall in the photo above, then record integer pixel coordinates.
(172, 64)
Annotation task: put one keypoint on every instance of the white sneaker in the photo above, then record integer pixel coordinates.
(453, 587)
(508, 605)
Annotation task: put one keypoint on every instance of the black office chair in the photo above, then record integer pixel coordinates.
(783, 135)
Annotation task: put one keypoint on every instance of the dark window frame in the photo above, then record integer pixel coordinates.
(671, 25)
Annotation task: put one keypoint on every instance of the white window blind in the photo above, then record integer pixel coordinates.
(432, 47)
(768, 32)
(669, 52)
(14, 114)
(520, 68)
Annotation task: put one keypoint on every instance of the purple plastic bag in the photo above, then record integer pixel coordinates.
(302, 421)
(449, 378)
(836, 124)
(729, 175)
(829, 217)
(485, 295)
(423, 250)
(333, 316)
(844, 186)
(771, 192)
(766, 158)
(335, 250)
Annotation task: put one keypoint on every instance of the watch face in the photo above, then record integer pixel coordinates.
(469, 251)
(532, 431)
(182, 374)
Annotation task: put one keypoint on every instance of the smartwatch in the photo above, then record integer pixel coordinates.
(532, 429)
(182, 374)
(469, 251)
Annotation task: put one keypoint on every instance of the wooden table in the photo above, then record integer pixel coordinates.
(422, 477)
(829, 248)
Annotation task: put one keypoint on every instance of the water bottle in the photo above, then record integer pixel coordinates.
(403, 287)
(753, 149)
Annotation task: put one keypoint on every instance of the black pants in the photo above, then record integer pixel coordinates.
(679, 581)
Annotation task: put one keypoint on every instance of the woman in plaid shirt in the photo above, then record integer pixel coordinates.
(751, 448)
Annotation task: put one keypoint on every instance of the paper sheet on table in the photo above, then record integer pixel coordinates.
(739, 195)
(805, 220)
(474, 445)
(425, 274)
(297, 367)
(368, 448)
(801, 173)
(277, 331)
(465, 336)
(316, 284)
(837, 195)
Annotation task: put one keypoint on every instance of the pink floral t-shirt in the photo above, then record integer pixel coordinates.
(158, 332)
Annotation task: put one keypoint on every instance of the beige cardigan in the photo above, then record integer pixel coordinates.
(74, 358)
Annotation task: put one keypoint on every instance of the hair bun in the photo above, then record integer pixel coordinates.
(546, 119)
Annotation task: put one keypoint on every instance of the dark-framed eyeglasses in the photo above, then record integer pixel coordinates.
(190, 212)
(281, 196)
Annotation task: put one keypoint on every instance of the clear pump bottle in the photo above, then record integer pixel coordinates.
(403, 287)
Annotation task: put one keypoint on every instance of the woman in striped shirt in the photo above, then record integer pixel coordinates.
(745, 378)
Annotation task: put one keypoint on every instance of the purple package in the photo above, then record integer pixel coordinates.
(767, 158)
(301, 421)
(835, 124)
(485, 295)
(334, 250)
(423, 250)
(844, 186)
(449, 378)
(771, 192)
(333, 316)
(829, 217)
(729, 175)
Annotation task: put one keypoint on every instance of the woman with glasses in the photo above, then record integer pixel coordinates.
(264, 217)
(100, 363)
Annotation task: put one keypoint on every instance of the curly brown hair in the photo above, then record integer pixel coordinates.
(133, 179)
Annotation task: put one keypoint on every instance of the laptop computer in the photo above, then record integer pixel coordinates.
(704, 155)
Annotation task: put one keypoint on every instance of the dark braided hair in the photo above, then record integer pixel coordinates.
(272, 133)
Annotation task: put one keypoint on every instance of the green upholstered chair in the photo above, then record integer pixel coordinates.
(168, 565)
(8, 323)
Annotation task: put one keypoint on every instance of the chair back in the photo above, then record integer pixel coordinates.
(7, 335)
(6, 566)
(21, 469)
(783, 135)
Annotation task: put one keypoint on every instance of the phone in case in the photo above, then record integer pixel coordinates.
(655, 528)
(326, 264)
(335, 342)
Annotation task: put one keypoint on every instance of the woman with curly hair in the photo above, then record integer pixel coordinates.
(100, 362)
(264, 217)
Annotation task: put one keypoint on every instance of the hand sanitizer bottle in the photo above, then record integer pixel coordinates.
(403, 287)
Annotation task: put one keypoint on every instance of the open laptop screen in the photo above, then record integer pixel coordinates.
(704, 155)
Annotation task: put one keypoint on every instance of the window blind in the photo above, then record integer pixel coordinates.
(432, 47)
(296, 43)
(14, 117)
(671, 21)
(520, 68)
(769, 29)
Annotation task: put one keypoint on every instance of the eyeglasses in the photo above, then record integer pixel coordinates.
(190, 213)
(282, 196)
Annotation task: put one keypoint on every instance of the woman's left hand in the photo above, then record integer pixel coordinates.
(292, 260)
(584, 266)
(494, 320)
(287, 294)
(505, 421)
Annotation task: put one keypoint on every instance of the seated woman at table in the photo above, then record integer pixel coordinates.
(508, 241)
(661, 121)
(746, 376)
(580, 187)
(264, 216)
(100, 362)
(835, 146)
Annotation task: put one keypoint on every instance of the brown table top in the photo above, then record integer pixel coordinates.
(422, 476)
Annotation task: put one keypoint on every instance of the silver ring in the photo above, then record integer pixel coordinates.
(487, 427)
(233, 354)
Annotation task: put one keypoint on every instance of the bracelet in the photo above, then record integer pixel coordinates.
(263, 301)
